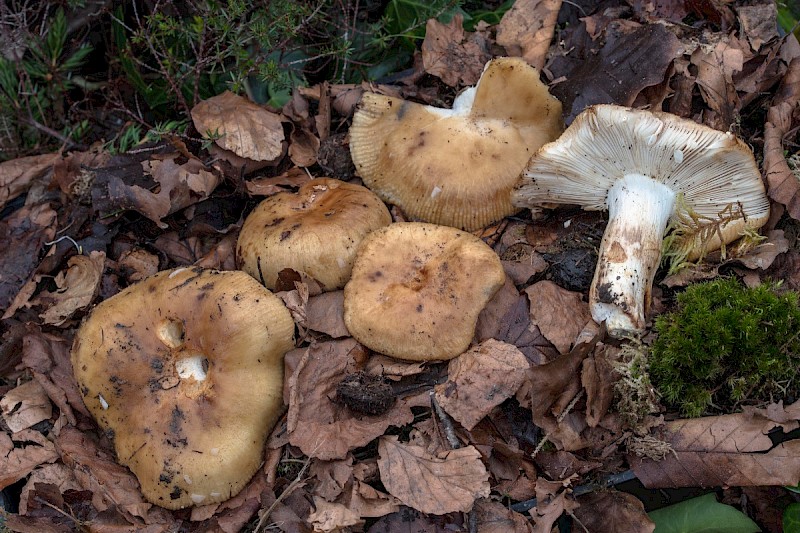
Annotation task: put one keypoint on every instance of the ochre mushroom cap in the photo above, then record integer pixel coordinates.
(456, 166)
(184, 370)
(417, 289)
(315, 230)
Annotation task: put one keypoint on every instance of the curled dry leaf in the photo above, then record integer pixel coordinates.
(551, 502)
(527, 29)
(303, 148)
(138, 264)
(715, 70)
(480, 379)
(449, 54)
(25, 405)
(332, 516)
(294, 177)
(317, 425)
(613, 511)
(18, 174)
(76, 288)
(783, 184)
(726, 450)
(21, 452)
(245, 128)
(432, 484)
(560, 314)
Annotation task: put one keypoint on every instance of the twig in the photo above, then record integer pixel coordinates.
(288, 490)
(67, 142)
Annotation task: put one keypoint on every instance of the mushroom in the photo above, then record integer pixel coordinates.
(456, 166)
(184, 371)
(315, 230)
(647, 169)
(417, 289)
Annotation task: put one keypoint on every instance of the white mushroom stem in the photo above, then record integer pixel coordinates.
(638, 209)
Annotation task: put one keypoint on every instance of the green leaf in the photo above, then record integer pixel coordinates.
(791, 518)
(703, 514)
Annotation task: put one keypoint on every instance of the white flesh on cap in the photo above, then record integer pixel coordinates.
(638, 211)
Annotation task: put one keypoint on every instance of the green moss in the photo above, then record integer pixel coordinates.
(726, 344)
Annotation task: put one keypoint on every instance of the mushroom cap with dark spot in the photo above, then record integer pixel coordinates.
(185, 369)
(457, 166)
(417, 289)
(315, 230)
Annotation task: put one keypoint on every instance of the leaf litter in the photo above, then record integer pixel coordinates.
(502, 438)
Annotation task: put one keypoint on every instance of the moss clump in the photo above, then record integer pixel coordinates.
(726, 344)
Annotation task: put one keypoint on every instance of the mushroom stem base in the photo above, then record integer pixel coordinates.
(638, 211)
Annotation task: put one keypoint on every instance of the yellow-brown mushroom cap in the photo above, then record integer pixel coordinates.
(417, 289)
(185, 371)
(316, 230)
(456, 167)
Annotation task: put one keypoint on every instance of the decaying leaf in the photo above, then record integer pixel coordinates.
(560, 314)
(432, 484)
(551, 502)
(241, 126)
(21, 452)
(480, 379)
(317, 425)
(332, 516)
(16, 175)
(613, 511)
(447, 52)
(76, 288)
(783, 184)
(715, 70)
(25, 405)
(494, 517)
(527, 29)
(325, 313)
(725, 450)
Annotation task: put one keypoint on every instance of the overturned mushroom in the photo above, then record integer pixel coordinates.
(315, 230)
(417, 289)
(456, 166)
(647, 169)
(184, 370)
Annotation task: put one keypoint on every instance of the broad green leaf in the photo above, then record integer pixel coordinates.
(791, 518)
(703, 514)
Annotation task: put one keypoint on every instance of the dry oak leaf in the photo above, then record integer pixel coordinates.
(452, 56)
(447, 483)
(560, 314)
(21, 452)
(25, 405)
(613, 511)
(17, 175)
(527, 28)
(726, 450)
(246, 128)
(480, 379)
(76, 288)
(318, 425)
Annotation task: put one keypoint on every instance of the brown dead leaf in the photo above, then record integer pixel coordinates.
(395, 369)
(715, 70)
(623, 67)
(527, 29)
(57, 474)
(325, 313)
(25, 405)
(551, 502)
(369, 502)
(451, 55)
(179, 186)
(408, 520)
(76, 288)
(22, 236)
(18, 174)
(21, 453)
(613, 511)
(332, 516)
(494, 517)
(783, 184)
(561, 464)
(303, 148)
(47, 356)
(332, 476)
(317, 425)
(560, 314)
(246, 129)
(138, 264)
(480, 379)
(759, 23)
(598, 377)
(72, 173)
(431, 484)
(726, 450)
(294, 177)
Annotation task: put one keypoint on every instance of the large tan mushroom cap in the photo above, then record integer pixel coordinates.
(457, 166)
(417, 289)
(316, 230)
(185, 371)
